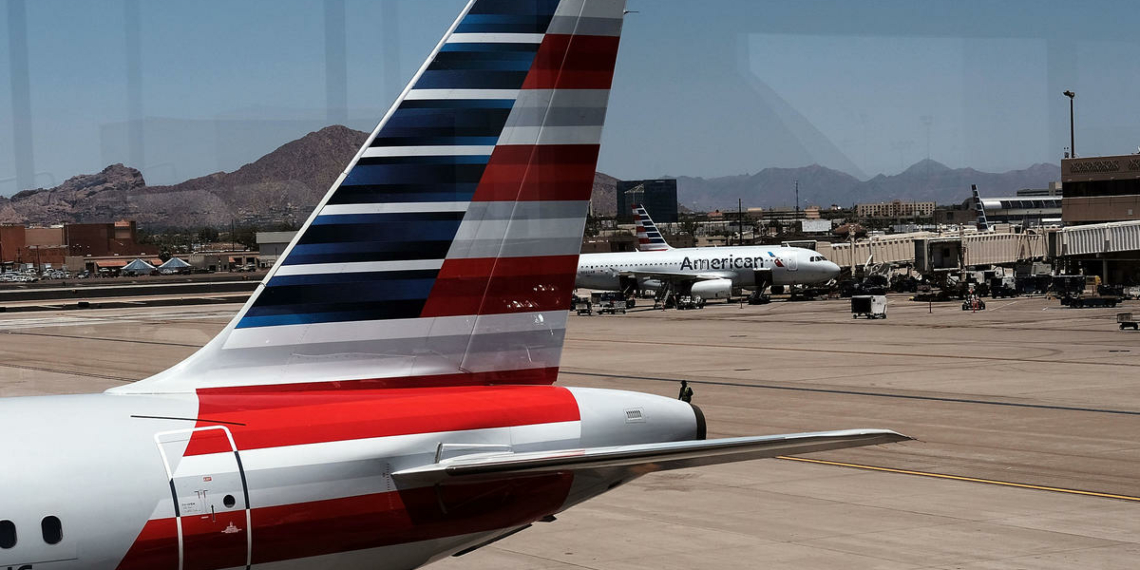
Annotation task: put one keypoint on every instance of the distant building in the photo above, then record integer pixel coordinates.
(895, 209)
(45, 237)
(787, 215)
(101, 240)
(810, 226)
(658, 196)
(11, 242)
(1100, 189)
(1054, 189)
(270, 245)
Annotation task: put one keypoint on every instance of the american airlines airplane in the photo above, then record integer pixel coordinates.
(705, 272)
(385, 398)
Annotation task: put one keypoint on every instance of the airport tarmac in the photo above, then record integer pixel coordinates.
(1027, 416)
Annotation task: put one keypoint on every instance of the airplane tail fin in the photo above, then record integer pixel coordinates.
(648, 238)
(446, 252)
(980, 210)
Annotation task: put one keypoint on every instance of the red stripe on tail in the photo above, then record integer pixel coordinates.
(490, 286)
(538, 172)
(573, 62)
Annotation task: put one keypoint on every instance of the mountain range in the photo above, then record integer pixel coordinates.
(283, 186)
(925, 181)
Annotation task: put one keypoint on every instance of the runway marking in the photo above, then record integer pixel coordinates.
(859, 393)
(817, 350)
(67, 372)
(962, 478)
(1004, 306)
(106, 339)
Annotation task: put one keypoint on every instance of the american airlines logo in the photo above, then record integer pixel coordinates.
(730, 262)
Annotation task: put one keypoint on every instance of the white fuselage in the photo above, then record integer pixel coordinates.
(744, 265)
(268, 485)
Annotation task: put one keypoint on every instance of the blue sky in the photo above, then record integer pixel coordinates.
(702, 88)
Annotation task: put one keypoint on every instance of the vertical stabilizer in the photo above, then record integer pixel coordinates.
(648, 238)
(446, 252)
(980, 210)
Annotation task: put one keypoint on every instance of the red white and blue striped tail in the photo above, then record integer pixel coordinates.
(648, 238)
(446, 252)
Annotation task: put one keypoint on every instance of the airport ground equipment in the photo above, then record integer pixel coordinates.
(583, 305)
(685, 302)
(870, 306)
(759, 298)
(1003, 287)
(974, 303)
(611, 302)
(1093, 295)
(809, 293)
(1128, 321)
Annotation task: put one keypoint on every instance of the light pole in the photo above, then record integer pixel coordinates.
(1072, 140)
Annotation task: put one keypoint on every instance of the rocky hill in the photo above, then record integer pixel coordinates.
(282, 186)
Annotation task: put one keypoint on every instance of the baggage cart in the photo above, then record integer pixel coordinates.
(1127, 321)
(870, 306)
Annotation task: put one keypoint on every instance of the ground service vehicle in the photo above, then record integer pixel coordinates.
(1091, 295)
(611, 302)
(583, 305)
(870, 306)
(1126, 320)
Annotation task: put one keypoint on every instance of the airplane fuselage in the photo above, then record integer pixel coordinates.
(744, 265)
(287, 480)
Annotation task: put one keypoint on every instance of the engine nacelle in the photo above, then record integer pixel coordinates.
(713, 289)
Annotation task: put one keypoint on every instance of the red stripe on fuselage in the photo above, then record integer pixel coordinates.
(155, 547)
(491, 286)
(355, 523)
(573, 62)
(289, 532)
(527, 173)
(262, 417)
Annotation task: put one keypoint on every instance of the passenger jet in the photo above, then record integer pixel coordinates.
(386, 396)
(705, 272)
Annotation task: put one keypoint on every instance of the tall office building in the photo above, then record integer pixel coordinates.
(658, 196)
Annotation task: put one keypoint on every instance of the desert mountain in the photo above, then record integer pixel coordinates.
(284, 186)
(926, 180)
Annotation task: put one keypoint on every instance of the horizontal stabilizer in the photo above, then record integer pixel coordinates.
(643, 458)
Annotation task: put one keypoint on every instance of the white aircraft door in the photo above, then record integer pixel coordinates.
(792, 262)
(211, 501)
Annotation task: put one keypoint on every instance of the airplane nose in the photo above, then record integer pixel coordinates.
(831, 270)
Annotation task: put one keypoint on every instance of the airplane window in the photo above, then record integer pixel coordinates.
(7, 534)
(229, 501)
(52, 530)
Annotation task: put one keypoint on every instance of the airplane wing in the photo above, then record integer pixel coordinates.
(643, 458)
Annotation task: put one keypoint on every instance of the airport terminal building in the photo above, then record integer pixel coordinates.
(1101, 189)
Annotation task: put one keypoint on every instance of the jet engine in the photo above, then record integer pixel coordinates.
(713, 289)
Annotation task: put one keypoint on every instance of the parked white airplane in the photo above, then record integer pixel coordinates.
(705, 272)
(385, 397)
